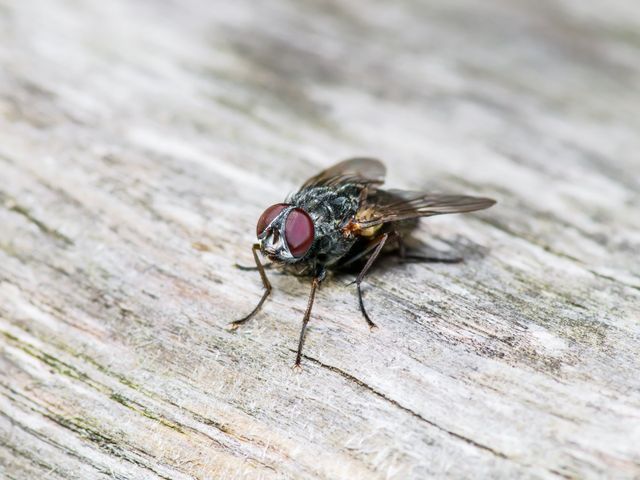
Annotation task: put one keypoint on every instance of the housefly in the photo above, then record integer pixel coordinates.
(341, 219)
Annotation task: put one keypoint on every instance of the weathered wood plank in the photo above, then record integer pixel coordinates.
(141, 140)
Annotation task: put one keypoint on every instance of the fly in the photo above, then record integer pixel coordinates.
(340, 219)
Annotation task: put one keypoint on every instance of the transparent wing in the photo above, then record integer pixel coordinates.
(396, 205)
(363, 171)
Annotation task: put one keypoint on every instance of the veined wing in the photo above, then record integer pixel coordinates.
(362, 171)
(397, 205)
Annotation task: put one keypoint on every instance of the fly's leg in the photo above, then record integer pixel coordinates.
(402, 248)
(245, 268)
(427, 259)
(356, 258)
(381, 241)
(411, 258)
(307, 315)
(267, 290)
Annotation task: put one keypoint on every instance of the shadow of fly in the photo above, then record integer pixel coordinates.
(341, 219)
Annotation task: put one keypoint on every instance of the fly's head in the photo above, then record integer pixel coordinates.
(286, 233)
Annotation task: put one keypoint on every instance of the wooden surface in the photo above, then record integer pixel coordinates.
(140, 141)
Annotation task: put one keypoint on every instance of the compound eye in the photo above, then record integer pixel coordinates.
(299, 232)
(269, 216)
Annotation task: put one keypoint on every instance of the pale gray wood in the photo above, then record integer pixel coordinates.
(140, 141)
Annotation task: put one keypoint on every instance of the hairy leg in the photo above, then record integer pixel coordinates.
(265, 295)
(307, 315)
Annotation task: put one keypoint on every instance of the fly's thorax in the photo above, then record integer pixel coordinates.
(331, 209)
(307, 229)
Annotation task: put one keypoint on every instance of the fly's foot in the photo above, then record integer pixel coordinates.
(373, 327)
(297, 368)
(233, 326)
(244, 268)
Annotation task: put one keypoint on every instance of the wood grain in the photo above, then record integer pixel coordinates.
(139, 143)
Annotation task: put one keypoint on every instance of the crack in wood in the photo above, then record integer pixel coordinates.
(11, 205)
(133, 405)
(416, 415)
(397, 404)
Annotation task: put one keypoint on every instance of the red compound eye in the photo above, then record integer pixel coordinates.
(299, 232)
(268, 216)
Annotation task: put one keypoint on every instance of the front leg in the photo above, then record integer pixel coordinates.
(267, 289)
(307, 315)
(245, 268)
